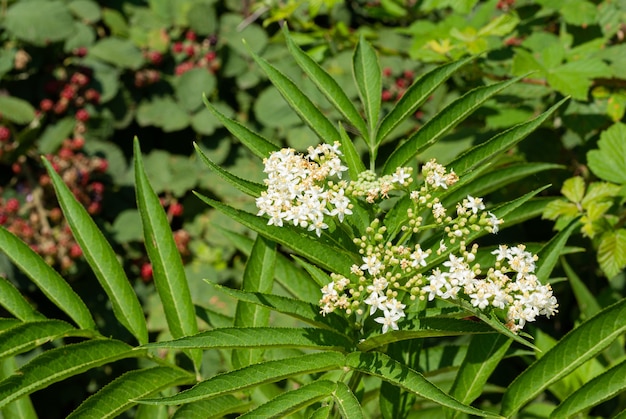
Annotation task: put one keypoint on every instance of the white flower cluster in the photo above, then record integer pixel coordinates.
(298, 189)
(510, 285)
(372, 187)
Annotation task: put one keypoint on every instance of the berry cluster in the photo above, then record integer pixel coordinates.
(396, 85)
(192, 52)
(30, 211)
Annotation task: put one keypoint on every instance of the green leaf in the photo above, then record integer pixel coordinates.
(347, 403)
(444, 121)
(16, 110)
(190, 84)
(299, 102)
(54, 134)
(350, 155)
(368, 79)
(250, 188)
(578, 346)
(416, 95)
(551, 251)
(594, 392)
(292, 401)
(118, 52)
(102, 259)
(15, 303)
(29, 335)
(60, 363)
(382, 366)
(261, 337)
(47, 279)
(216, 408)
(87, 10)
(258, 276)
(163, 112)
(257, 144)
(21, 408)
(484, 152)
(612, 252)
(120, 394)
(574, 189)
(254, 375)
(301, 310)
(584, 298)
(168, 272)
(331, 258)
(39, 22)
(609, 161)
(326, 84)
(483, 356)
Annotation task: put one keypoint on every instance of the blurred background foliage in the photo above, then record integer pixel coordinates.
(80, 78)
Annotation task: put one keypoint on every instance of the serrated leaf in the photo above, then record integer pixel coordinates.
(102, 259)
(484, 152)
(261, 337)
(444, 121)
(60, 363)
(608, 162)
(578, 346)
(257, 144)
(39, 22)
(299, 102)
(119, 395)
(15, 303)
(594, 392)
(574, 189)
(416, 95)
(347, 403)
(215, 408)
(368, 79)
(326, 84)
(350, 155)
(21, 408)
(331, 258)
(382, 366)
(16, 110)
(483, 355)
(551, 251)
(560, 207)
(301, 310)
(254, 375)
(29, 335)
(612, 252)
(168, 272)
(47, 279)
(292, 401)
(250, 188)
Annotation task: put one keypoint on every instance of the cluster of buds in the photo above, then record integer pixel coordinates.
(394, 270)
(70, 91)
(192, 52)
(32, 213)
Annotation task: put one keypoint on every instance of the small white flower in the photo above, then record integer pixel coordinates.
(474, 204)
(372, 265)
(390, 320)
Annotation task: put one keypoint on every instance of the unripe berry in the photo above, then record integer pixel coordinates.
(155, 57)
(386, 95)
(80, 51)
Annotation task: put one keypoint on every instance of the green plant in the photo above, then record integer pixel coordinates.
(334, 366)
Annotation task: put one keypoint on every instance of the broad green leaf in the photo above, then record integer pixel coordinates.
(60, 363)
(441, 123)
(584, 298)
(324, 412)
(301, 310)
(416, 95)
(245, 186)
(594, 392)
(574, 189)
(331, 258)
(102, 259)
(347, 403)
(216, 408)
(257, 144)
(120, 394)
(53, 286)
(483, 356)
(16, 110)
(294, 280)
(258, 276)
(327, 85)
(551, 251)
(578, 346)
(21, 408)
(261, 337)
(299, 102)
(292, 401)
(608, 162)
(424, 328)
(118, 52)
(29, 335)
(40, 22)
(254, 375)
(612, 252)
(368, 79)
(382, 366)
(350, 155)
(168, 272)
(16, 304)
(484, 152)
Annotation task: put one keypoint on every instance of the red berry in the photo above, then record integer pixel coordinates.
(190, 50)
(190, 36)
(80, 51)
(12, 205)
(177, 47)
(210, 56)
(97, 188)
(60, 107)
(5, 134)
(93, 96)
(16, 167)
(386, 95)
(66, 153)
(76, 251)
(78, 143)
(176, 209)
(79, 79)
(103, 165)
(387, 71)
(82, 115)
(408, 74)
(146, 271)
(155, 57)
(68, 92)
(94, 208)
(46, 105)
